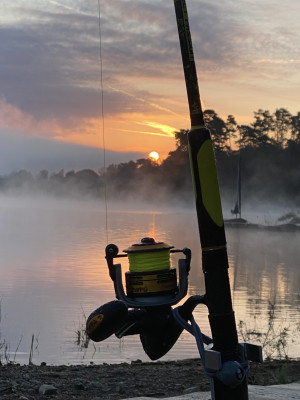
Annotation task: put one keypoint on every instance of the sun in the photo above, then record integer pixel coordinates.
(154, 156)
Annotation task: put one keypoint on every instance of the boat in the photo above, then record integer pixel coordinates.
(286, 223)
(237, 210)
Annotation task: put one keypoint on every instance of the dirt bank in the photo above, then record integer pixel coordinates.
(119, 381)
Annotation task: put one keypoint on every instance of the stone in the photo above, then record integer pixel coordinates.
(191, 389)
(47, 390)
(79, 386)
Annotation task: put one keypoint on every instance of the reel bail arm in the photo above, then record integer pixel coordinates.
(111, 252)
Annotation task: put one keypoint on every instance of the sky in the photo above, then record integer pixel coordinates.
(64, 97)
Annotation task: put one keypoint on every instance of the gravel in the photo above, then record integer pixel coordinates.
(120, 381)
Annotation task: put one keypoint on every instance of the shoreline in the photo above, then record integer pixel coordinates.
(124, 380)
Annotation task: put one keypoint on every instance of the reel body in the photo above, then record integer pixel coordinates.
(152, 283)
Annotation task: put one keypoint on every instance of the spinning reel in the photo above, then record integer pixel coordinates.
(151, 289)
(145, 309)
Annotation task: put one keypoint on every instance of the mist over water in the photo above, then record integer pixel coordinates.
(53, 274)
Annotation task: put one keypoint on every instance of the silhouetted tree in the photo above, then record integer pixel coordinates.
(181, 139)
(218, 130)
(43, 175)
(21, 180)
(282, 126)
(231, 128)
(58, 177)
(174, 172)
(248, 136)
(86, 182)
(121, 179)
(263, 126)
(295, 127)
(42, 181)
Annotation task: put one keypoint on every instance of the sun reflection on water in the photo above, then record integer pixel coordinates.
(59, 275)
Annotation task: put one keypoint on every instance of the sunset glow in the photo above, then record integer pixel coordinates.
(244, 65)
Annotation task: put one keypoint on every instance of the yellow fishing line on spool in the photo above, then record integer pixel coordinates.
(145, 261)
(149, 269)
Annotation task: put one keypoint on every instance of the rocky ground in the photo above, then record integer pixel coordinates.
(119, 381)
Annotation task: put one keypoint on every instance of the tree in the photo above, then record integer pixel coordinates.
(146, 164)
(121, 178)
(295, 128)
(58, 177)
(87, 180)
(42, 180)
(22, 180)
(43, 175)
(218, 130)
(282, 122)
(181, 139)
(263, 126)
(247, 136)
(231, 127)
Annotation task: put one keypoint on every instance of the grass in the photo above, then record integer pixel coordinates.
(273, 339)
(9, 357)
(82, 340)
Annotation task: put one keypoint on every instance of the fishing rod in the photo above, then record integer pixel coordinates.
(210, 222)
(146, 306)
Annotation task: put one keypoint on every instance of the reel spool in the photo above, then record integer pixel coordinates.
(149, 269)
(150, 281)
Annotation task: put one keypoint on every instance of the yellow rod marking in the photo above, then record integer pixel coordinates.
(214, 248)
(209, 182)
(198, 127)
(192, 169)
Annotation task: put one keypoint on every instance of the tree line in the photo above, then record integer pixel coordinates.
(269, 148)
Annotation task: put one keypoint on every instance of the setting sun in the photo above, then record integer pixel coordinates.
(153, 156)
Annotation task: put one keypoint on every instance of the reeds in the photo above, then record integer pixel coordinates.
(273, 339)
(9, 357)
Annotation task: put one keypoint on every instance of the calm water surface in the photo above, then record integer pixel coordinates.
(53, 274)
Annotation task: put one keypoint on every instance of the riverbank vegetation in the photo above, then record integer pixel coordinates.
(269, 148)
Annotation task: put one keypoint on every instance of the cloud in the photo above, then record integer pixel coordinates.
(13, 119)
(277, 61)
(50, 67)
(34, 154)
(164, 130)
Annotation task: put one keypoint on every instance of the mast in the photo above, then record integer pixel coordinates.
(210, 218)
(240, 185)
(238, 205)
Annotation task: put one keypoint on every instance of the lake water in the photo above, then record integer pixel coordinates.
(53, 274)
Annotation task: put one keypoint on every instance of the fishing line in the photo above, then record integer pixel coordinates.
(103, 123)
(149, 261)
